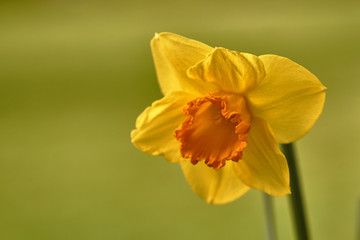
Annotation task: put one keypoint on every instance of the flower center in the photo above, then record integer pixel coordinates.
(215, 129)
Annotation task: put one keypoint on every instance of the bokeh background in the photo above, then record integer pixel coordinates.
(74, 75)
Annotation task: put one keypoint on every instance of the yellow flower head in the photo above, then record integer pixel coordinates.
(223, 113)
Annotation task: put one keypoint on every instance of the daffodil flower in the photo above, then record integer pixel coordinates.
(223, 114)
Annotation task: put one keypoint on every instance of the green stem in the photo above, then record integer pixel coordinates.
(269, 217)
(358, 222)
(295, 197)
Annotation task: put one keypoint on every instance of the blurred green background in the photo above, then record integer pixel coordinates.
(74, 75)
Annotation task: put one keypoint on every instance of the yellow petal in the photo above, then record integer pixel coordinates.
(290, 98)
(231, 71)
(173, 55)
(263, 166)
(155, 127)
(214, 186)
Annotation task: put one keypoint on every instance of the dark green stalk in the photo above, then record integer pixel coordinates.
(295, 197)
(358, 223)
(269, 217)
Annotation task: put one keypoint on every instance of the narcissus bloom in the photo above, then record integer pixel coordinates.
(223, 114)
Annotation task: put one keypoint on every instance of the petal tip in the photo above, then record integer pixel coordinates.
(279, 193)
(210, 200)
(133, 135)
(158, 36)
